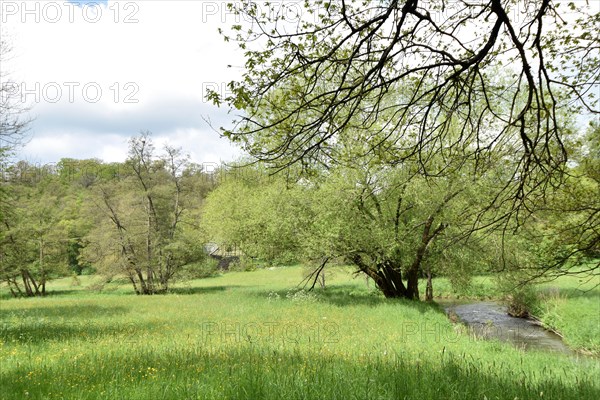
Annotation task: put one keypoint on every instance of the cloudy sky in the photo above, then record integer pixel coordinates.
(96, 73)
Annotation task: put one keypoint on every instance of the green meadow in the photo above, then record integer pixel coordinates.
(255, 335)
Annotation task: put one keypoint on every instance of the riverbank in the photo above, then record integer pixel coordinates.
(490, 320)
(573, 310)
(568, 306)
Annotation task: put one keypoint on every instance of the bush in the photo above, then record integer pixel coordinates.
(518, 293)
(199, 270)
(243, 264)
(521, 301)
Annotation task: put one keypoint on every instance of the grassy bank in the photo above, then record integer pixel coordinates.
(569, 305)
(246, 335)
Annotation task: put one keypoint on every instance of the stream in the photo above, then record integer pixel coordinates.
(490, 320)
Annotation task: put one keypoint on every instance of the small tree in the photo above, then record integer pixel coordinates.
(140, 219)
(386, 223)
(34, 241)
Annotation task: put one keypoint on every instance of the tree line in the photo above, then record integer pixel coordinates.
(135, 219)
(149, 218)
(377, 135)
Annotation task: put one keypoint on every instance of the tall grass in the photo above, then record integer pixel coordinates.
(252, 335)
(571, 305)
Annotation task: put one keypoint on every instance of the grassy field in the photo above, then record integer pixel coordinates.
(251, 335)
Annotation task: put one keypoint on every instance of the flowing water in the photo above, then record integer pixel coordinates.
(491, 320)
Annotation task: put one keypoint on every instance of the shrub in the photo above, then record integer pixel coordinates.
(199, 270)
(521, 301)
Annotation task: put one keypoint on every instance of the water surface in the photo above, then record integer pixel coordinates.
(490, 320)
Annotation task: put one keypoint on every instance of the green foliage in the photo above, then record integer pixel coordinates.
(34, 237)
(79, 216)
(396, 78)
(202, 269)
(522, 301)
(571, 305)
(242, 264)
(497, 118)
(563, 230)
(144, 223)
(374, 217)
(261, 215)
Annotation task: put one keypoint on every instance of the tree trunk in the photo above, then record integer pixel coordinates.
(13, 285)
(132, 279)
(386, 275)
(429, 289)
(32, 289)
(150, 280)
(144, 288)
(28, 291)
(390, 281)
(413, 272)
(321, 279)
(412, 282)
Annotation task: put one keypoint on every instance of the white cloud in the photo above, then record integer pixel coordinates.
(144, 64)
(201, 147)
(56, 145)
